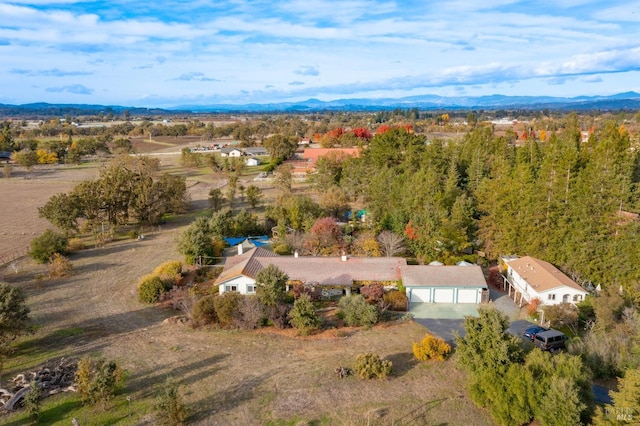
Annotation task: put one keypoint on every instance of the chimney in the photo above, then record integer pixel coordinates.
(240, 249)
(295, 254)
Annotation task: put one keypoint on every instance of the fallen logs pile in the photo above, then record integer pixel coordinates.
(51, 378)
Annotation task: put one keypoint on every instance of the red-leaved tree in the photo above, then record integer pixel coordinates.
(325, 238)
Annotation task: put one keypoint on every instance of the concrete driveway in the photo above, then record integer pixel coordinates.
(446, 319)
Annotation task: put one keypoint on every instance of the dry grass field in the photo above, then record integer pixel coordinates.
(23, 192)
(226, 377)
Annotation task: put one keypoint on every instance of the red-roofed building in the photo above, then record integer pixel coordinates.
(311, 155)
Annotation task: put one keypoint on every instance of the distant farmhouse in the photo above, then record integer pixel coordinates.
(527, 278)
(337, 276)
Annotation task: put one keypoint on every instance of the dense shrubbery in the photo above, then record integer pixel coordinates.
(75, 244)
(396, 300)
(226, 306)
(431, 347)
(372, 292)
(46, 245)
(357, 312)
(59, 266)
(150, 288)
(315, 293)
(370, 366)
(250, 313)
(303, 315)
(204, 311)
(169, 272)
(517, 389)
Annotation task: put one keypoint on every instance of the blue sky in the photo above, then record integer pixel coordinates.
(169, 53)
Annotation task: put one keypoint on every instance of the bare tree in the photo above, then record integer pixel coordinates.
(391, 243)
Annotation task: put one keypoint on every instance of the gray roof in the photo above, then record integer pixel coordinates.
(256, 151)
(443, 276)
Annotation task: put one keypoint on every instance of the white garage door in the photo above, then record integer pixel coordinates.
(443, 295)
(467, 295)
(420, 295)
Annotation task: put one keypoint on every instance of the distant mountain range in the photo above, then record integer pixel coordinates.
(620, 101)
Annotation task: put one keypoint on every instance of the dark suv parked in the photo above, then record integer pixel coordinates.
(550, 340)
(530, 332)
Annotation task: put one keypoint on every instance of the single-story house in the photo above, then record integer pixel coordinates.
(444, 284)
(335, 275)
(252, 161)
(231, 152)
(340, 275)
(255, 151)
(529, 278)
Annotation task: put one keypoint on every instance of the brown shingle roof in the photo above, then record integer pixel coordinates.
(541, 275)
(316, 270)
(334, 271)
(243, 264)
(443, 276)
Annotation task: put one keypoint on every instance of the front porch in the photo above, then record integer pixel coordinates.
(520, 297)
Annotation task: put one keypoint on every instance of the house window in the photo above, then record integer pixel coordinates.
(551, 297)
(251, 289)
(577, 297)
(230, 288)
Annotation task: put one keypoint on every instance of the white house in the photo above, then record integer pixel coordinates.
(444, 284)
(252, 161)
(529, 278)
(336, 276)
(231, 152)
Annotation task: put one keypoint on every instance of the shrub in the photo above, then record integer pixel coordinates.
(282, 249)
(369, 366)
(431, 347)
(32, 401)
(75, 244)
(271, 283)
(303, 315)
(170, 407)
(532, 307)
(315, 293)
(169, 272)
(46, 245)
(372, 292)
(357, 312)
(226, 305)
(98, 380)
(59, 266)
(396, 300)
(150, 289)
(250, 313)
(279, 315)
(133, 234)
(204, 311)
